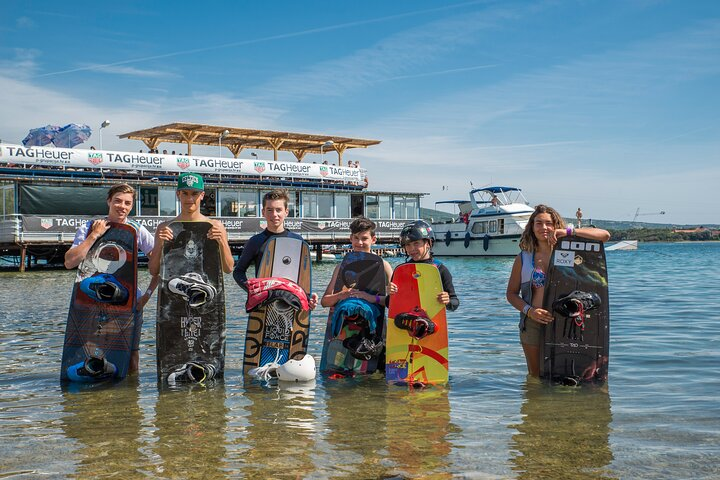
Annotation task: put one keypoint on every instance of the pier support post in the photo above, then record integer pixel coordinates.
(318, 252)
(23, 254)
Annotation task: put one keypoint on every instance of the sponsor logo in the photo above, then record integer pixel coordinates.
(286, 260)
(564, 258)
(580, 246)
(95, 158)
(263, 224)
(46, 223)
(321, 225)
(259, 167)
(324, 171)
(183, 163)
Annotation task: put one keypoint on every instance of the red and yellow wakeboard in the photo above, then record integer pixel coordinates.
(411, 360)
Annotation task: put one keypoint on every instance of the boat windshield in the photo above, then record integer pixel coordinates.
(496, 196)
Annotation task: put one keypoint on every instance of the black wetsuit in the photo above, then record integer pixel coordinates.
(253, 252)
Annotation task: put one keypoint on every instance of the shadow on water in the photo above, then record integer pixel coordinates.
(564, 433)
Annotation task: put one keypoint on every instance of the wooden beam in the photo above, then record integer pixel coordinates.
(275, 143)
(189, 137)
(236, 149)
(300, 154)
(340, 149)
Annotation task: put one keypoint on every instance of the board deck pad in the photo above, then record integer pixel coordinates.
(577, 350)
(410, 360)
(186, 333)
(277, 332)
(97, 332)
(361, 271)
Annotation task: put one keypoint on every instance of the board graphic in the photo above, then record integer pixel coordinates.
(417, 335)
(575, 348)
(278, 332)
(191, 307)
(102, 321)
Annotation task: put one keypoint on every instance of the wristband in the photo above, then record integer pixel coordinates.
(569, 231)
(377, 299)
(526, 309)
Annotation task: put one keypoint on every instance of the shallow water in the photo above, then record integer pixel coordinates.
(658, 417)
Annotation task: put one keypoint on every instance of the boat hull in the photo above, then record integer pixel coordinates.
(476, 246)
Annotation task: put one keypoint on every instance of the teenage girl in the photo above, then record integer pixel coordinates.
(526, 286)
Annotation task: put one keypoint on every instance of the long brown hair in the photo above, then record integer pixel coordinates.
(528, 241)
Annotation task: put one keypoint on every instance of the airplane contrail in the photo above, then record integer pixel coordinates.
(260, 40)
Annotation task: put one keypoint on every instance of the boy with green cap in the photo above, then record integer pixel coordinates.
(190, 192)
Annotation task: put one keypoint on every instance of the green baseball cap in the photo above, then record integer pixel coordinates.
(190, 181)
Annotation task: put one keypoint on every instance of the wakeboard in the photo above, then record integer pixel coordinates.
(102, 322)
(277, 332)
(417, 335)
(190, 325)
(361, 271)
(575, 347)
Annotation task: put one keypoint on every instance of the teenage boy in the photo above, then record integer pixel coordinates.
(274, 210)
(362, 238)
(190, 192)
(120, 201)
(417, 240)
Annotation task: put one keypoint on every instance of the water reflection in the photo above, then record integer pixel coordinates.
(564, 433)
(356, 435)
(106, 420)
(191, 423)
(418, 427)
(280, 431)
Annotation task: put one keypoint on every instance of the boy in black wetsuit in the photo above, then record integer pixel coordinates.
(417, 239)
(274, 210)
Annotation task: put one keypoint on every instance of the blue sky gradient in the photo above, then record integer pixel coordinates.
(606, 105)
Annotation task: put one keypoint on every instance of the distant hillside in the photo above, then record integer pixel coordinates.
(430, 214)
(628, 225)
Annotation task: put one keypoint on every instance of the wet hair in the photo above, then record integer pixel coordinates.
(276, 194)
(362, 224)
(121, 188)
(528, 241)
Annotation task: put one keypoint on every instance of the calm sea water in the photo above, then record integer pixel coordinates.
(659, 416)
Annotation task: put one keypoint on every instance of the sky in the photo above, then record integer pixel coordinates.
(611, 106)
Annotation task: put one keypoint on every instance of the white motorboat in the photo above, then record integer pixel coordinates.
(489, 223)
(622, 245)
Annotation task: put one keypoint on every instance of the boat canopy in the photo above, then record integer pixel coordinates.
(495, 190)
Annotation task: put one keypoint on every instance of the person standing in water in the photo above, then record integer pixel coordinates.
(526, 285)
(120, 201)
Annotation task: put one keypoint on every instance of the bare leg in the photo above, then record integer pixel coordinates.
(532, 358)
(134, 361)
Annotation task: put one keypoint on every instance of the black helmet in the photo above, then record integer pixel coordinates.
(419, 230)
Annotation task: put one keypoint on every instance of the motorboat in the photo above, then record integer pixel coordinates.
(489, 223)
(622, 245)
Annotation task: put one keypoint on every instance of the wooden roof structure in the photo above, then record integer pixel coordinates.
(238, 139)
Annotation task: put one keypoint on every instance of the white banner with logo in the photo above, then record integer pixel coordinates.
(97, 159)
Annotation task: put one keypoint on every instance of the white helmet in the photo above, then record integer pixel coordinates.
(302, 370)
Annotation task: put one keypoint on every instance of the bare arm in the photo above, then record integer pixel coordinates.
(590, 233)
(162, 234)
(329, 299)
(219, 233)
(77, 254)
(513, 288)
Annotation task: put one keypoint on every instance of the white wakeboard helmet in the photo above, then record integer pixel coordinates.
(302, 370)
